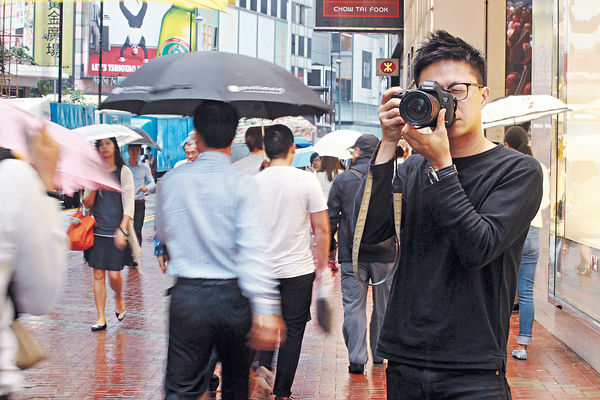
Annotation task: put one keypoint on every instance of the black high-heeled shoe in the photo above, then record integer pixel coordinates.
(96, 328)
(121, 315)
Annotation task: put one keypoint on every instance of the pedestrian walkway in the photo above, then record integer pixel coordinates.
(127, 360)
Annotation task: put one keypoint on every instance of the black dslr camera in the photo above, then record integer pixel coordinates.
(420, 107)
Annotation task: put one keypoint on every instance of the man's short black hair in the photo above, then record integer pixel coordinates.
(216, 122)
(442, 46)
(278, 140)
(254, 139)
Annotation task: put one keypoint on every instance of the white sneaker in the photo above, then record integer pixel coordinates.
(122, 59)
(520, 354)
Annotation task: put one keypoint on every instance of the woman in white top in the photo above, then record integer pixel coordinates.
(330, 168)
(113, 212)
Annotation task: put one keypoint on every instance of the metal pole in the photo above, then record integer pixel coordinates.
(60, 48)
(100, 53)
(339, 92)
(191, 22)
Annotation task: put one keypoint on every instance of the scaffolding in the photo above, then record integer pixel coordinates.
(6, 54)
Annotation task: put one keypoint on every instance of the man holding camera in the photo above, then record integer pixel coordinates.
(467, 204)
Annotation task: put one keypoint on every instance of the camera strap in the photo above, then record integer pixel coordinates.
(362, 218)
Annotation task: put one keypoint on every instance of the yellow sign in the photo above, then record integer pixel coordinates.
(47, 34)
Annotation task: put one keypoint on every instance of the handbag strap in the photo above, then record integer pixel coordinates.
(362, 218)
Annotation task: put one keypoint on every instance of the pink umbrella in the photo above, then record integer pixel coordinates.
(80, 165)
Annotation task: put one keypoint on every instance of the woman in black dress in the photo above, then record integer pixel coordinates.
(113, 212)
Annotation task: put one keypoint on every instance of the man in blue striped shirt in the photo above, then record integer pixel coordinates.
(225, 296)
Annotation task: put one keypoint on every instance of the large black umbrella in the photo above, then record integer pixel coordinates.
(177, 84)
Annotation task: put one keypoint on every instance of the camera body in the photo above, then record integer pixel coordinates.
(420, 107)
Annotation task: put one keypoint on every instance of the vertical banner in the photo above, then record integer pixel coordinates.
(518, 48)
(367, 73)
(281, 40)
(47, 34)
(207, 29)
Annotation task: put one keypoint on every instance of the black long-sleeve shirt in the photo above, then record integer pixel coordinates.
(461, 245)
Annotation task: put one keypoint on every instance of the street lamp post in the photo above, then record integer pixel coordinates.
(339, 94)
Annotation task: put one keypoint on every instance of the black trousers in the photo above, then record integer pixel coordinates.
(296, 295)
(207, 314)
(138, 219)
(408, 382)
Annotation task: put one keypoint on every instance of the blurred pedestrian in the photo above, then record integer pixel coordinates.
(210, 230)
(251, 164)
(375, 262)
(315, 163)
(466, 207)
(33, 246)
(190, 150)
(113, 212)
(517, 138)
(330, 167)
(143, 184)
(293, 201)
(148, 159)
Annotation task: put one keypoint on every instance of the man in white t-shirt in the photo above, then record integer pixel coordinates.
(293, 200)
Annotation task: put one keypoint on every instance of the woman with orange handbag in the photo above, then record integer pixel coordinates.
(113, 212)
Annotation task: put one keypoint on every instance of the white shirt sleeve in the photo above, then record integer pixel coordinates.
(33, 239)
(128, 194)
(316, 198)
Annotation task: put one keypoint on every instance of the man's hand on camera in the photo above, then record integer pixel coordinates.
(435, 147)
(391, 125)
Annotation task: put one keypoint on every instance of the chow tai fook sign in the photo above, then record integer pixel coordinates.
(359, 15)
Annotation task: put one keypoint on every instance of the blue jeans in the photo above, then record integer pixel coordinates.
(531, 252)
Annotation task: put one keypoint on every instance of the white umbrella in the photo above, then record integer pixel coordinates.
(515, 110)
(336, 144)
(123, 134)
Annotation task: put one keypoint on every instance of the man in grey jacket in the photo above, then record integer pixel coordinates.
(375, 263)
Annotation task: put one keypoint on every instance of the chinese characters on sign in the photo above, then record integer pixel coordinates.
(53, 30)
(47, 34)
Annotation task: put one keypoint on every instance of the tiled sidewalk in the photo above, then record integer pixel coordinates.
(127, 360)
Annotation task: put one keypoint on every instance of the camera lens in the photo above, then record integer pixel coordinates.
(419, 108)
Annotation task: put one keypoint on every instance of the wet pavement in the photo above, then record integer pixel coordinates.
(127, 360)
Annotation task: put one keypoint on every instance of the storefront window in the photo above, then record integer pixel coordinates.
(575, 225)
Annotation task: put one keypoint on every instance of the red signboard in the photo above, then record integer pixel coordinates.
(115, 65)
(387, 66)
(363, 9)
(359, 15)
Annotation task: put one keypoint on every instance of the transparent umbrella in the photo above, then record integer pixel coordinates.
(337, 143)
(515, 110)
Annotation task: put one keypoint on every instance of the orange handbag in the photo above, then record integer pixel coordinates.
(81, 231)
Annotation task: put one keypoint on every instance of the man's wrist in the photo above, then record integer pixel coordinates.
(386, 151)
(442, 163)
